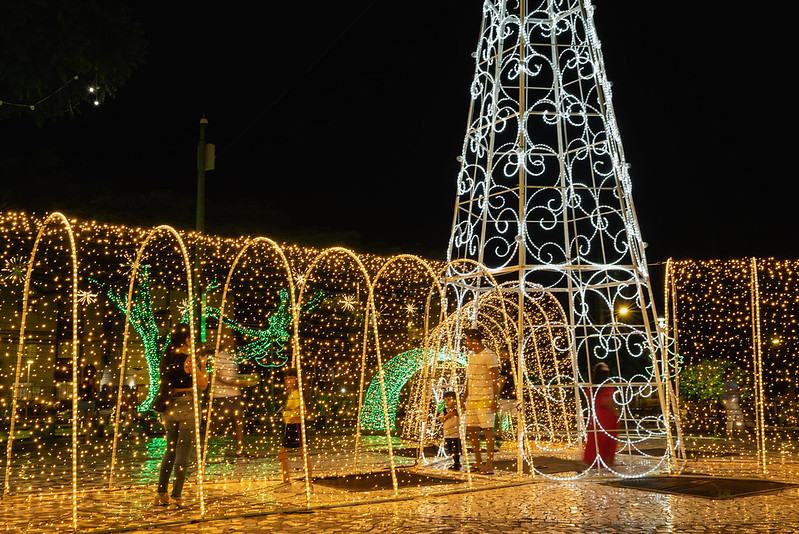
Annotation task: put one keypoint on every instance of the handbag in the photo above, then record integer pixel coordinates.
(160, 400)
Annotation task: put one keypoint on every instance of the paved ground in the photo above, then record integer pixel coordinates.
(579, 506)
(499, 503)
(537, 505)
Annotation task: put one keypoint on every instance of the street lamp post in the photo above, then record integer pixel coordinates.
(205, 162)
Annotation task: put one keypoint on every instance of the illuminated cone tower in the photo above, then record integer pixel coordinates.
(544, 203)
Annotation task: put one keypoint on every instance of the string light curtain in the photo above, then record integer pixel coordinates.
(737, 319)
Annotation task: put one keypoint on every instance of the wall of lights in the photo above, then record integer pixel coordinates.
(336, 315)
(544, 201)
(737, 319)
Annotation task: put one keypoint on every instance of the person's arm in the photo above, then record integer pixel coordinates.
(493, 374)
(606, 401)
(200, 375)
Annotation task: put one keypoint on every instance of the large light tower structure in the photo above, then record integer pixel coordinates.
(544, 203)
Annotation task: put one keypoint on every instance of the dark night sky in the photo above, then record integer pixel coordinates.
(340, 122)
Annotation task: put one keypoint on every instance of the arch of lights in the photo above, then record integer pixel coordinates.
(377, 307)
(544, 202)
(73, 256)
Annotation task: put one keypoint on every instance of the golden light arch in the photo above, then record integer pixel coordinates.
(52, 218)
(195, 396)
(246, 247)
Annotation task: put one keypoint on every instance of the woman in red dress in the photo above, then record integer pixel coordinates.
(603, 427)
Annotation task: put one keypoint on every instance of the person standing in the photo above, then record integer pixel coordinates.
(480, 397)
(228, 404)
(87, 398)
(292, 431)
(602, 429)
(451, 421)
(178, 419)
(732, 405)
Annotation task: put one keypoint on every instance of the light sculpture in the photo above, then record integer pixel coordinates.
(339, 352)
(544, 202)
(398, 371)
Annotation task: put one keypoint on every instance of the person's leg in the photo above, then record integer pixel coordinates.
(489, 465)
(606, 445)
(283, 456)
(89, 420)
(168, 461)
(308, 465)
(448, 446)
(728, 413)
(474, 438)
(239, 422)
(185, 443)
(454, 450)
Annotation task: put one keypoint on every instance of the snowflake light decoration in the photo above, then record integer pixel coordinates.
(183, 307)
(348, 302)
(15, 269)
(86, 297)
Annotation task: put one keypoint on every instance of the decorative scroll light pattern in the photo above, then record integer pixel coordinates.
(544, 197)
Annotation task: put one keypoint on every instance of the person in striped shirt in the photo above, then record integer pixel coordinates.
(480, 398)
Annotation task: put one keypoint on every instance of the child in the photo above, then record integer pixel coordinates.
(452, 441)
(292, 433)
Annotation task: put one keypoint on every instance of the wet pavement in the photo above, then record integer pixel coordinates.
(250, 498)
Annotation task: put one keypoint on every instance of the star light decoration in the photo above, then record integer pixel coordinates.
(87, 297)
(15, 269)
(348, 302)
(128, 263)
(183, 307)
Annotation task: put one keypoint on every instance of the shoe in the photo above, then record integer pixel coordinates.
(454, 468)
(481, 470)
(161, 500)
(180, 503)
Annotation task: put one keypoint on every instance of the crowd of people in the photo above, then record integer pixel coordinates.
(180, 371)
(488, 398)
